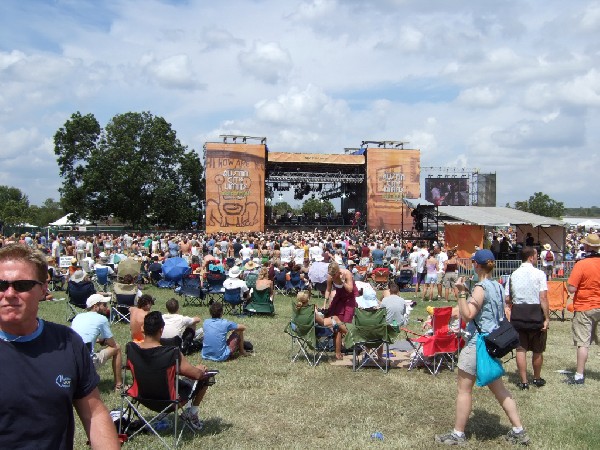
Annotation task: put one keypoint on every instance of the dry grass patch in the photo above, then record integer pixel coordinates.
(264, 401)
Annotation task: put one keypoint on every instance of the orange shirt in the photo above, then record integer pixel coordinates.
(586, 278)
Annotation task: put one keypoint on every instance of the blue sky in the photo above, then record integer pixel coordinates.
(510, 86)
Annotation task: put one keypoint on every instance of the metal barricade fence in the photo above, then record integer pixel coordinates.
(506, 267)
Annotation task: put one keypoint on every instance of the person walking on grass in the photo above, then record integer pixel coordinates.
(485, 307)
(527, 290)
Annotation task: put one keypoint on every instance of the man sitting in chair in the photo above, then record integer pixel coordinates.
(233, 282)
(217, 346)
(93, 324)
(153, 329)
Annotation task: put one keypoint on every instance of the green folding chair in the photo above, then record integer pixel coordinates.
(308, 339)
(366, 334)
(260, 302)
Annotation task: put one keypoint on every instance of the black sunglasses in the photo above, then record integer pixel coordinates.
(19, 285)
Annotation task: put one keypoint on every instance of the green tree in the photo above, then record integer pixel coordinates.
(74, 145)
(14, 206)
(313, 205)
(541, 204)
(137, 171)
(43, 215)
(281, 208)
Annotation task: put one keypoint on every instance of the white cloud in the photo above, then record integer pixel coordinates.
(488, 85)
(172, 72)
(480, 97)
(267, 62)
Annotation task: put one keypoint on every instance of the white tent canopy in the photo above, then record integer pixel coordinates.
(496, 216)
(65, 221)
(590, 223)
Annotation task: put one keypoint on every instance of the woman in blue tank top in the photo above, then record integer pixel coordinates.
(486, 307)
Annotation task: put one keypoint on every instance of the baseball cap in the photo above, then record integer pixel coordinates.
(96, 298)
(483, 256)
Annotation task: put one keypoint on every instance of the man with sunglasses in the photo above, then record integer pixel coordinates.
(46, 368)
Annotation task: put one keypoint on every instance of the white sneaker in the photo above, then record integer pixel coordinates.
(192, 420)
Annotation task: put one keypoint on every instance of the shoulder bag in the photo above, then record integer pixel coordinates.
(503, 339)
(524, 316)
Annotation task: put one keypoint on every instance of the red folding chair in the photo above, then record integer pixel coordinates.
(438, 349)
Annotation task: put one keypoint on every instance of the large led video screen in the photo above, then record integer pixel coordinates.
(447, 191)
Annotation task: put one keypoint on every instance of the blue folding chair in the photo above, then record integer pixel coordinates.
(214, 281)
(191, 290)
(233, 303)
(103, 281)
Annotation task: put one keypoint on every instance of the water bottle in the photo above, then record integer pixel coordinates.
(378, 435)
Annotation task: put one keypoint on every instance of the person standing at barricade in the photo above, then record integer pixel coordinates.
(527, 292)
(584, 282)
(547, 257)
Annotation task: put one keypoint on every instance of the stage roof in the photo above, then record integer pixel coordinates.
(496, 216)
(312, 158)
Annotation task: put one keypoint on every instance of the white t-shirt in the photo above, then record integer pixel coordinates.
(175, 325)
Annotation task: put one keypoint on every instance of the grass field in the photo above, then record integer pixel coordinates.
(264, 401)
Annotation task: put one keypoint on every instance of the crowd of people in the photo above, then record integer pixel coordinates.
(332, 262)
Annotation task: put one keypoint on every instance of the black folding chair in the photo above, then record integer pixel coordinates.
(78, 294)
(157, 387)
(192, 291)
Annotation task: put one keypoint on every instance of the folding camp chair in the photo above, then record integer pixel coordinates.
(156, 386)
(260, 302)
(295, 283)
(78, 294)
(123, 298)
(191, 289)
(56, 280)
(361, 273)
(368, 333)
(250, 279)
(102, 279)
(280, 281)
(557, 298)
(233, 303)
(404, 279)
(438, 349)
(214, 290)
(380, 278)
(320, 288)
(308, 339)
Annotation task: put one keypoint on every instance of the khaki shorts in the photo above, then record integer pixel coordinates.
(101, 357)
(585, 327)
(450, 280)
(467, 360)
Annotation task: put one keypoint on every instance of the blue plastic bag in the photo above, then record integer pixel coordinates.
(488, 369)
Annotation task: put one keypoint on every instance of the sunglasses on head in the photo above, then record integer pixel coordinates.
(19, 285)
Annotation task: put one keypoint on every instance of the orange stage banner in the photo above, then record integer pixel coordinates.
(316, 158)
(235, 187)
(392, 174)
(466, 237)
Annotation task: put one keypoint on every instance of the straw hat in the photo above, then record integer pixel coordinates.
(547, 247)
(592, 239)
(250, 265)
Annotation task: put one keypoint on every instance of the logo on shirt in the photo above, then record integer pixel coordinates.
(63, 381)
